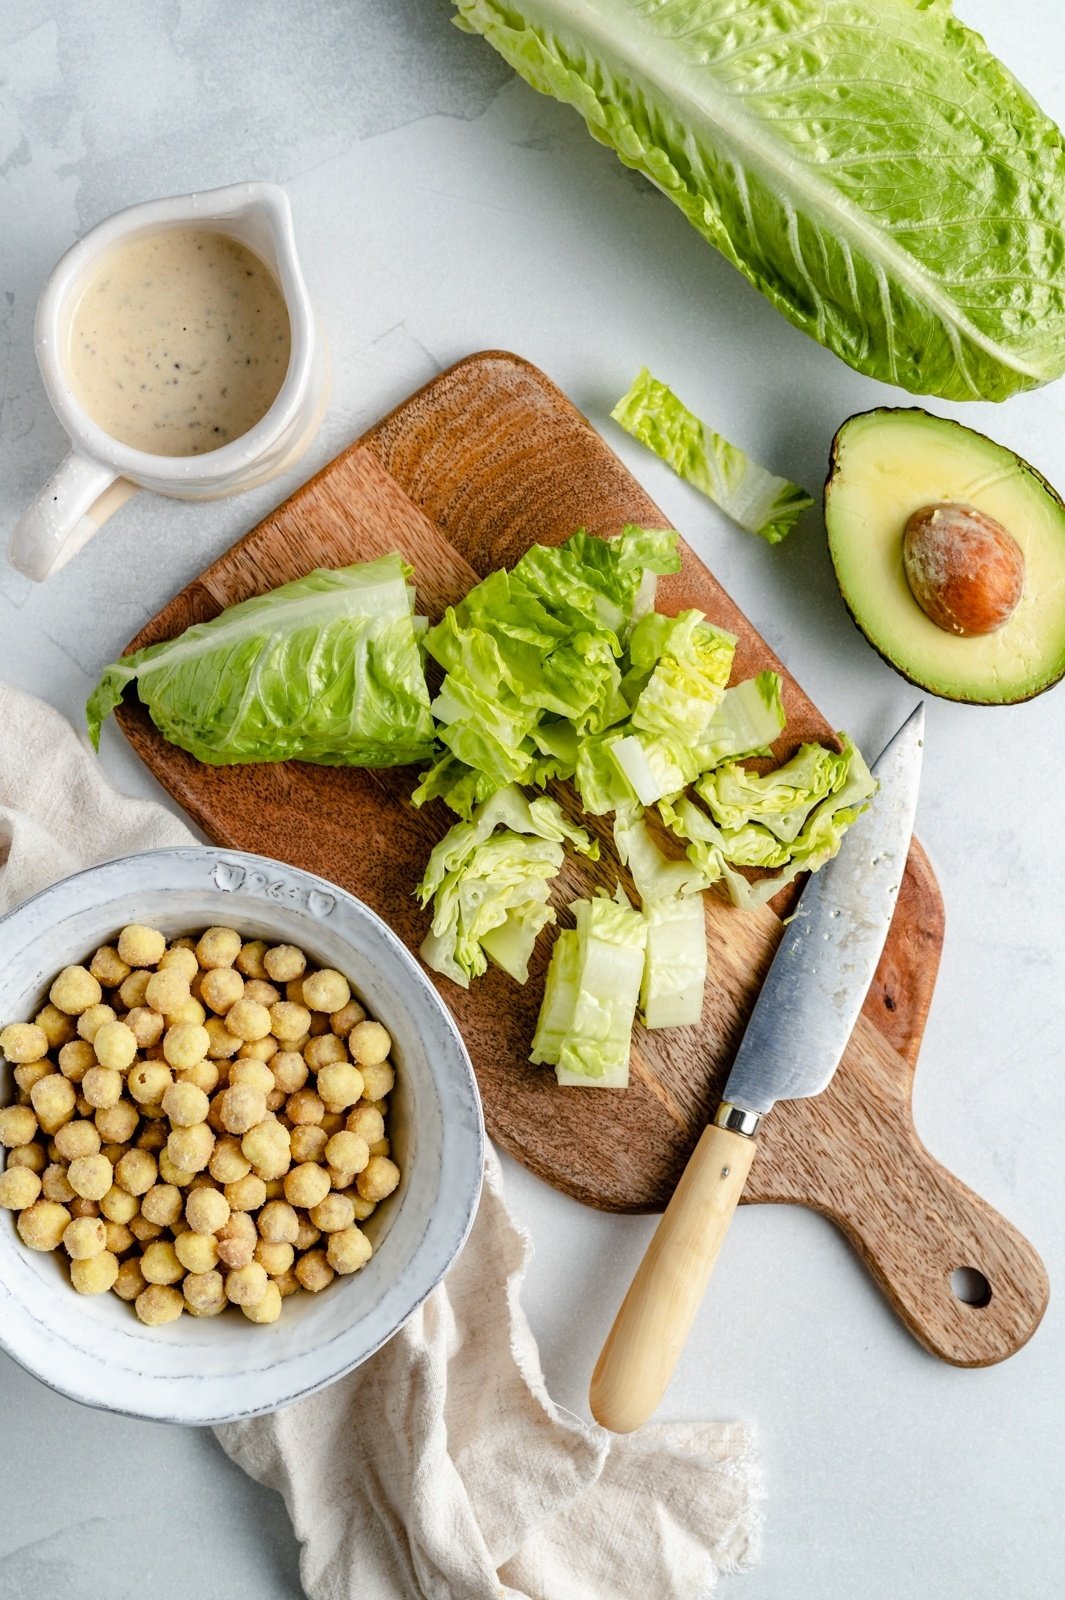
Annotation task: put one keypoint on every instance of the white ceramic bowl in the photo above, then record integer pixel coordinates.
(217, 1369)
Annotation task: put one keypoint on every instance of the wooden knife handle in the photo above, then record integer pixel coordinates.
(651, 1328)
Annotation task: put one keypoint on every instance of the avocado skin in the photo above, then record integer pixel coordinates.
(896, 666)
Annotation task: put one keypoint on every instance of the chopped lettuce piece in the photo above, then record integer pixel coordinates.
(780, 800)
(749, 718)
(674, 972)
(751, 496)
(601, 783)
(691, 668)
(531, 659)
(719, 851)
(593, 986)
(325, 669)
(489, 889)
(653, 766)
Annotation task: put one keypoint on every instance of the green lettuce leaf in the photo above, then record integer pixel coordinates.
(749, 718)
(867, 164)
(674, 971)
(489, 888)
(751, 496)
(531, 660)
(590, 998)
(720, 851)
(326, 669)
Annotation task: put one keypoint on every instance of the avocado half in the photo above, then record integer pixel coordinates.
(887, 464)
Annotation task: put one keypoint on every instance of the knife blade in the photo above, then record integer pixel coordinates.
(794, 1041)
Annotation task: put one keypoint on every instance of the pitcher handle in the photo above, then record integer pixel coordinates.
(62, 517)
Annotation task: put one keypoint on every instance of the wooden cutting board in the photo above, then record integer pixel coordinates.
(487, 459)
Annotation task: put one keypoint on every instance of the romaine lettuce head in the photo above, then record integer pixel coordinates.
(751, 496)
(867, 164)
(326, 669)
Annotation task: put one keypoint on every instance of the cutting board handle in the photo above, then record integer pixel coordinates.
(966, 1282)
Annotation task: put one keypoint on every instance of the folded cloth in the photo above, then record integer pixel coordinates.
(440, 1468)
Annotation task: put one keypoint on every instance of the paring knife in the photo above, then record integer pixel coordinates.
(798, 1031)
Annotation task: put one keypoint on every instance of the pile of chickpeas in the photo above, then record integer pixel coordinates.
(198, 1124)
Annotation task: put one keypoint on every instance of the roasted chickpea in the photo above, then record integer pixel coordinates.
(197, 1252)
(92, 1020)
(143, 1230)
(248, 1020)
(180, 959)
(326, 990)
(218, 947)
(160, 1264)
(139, 946)
(203, 1074)
(136, 1172)
(22, 1042)
(162, 1203)
(53, 1100)
(108, 967)
(250, 959)
(185, 1105)
(206, 1210)
(369, 1043)
(55, 1185)
(366, 1121)
(102, 1087)
(247, 1194)
(290, 1071)
(259, 1050)
(308, 1234)
(268, 1148)
(129, 1281)
(158, 1303)
(348, 1250)
(91, 1176)
(42, 1225)
(323, 1050)
(263, 993)
(185, 1043)
(148, 1082)
(308, 1142)
(75, 1139)
(228, 1161)
(344, 1020)
(276, 1258)
(27, 1155)
(131, 990)
(119, 1238)
(340, 1084)
(305, 1106)
(190, 1148)
(333, 1213)
(314, 1271)
(243, 1107)
(170, 1172)
(221, 988)
(19, 1188)
(246, 1285)
(305, 1185)
(205, 1293)
(267, 1308)
(84, 1237)
(257, 1073)
(145, 1025)
(278, 1222)
(223, 1044)
(377, 1179)
(287, 1283)
(153, 1137)
(167, 991)
(74, 991)
(57, 1027)
(284, 962)
(347, 1152)
(190, 1011)
(95, 1275)
(18, 1125)
(118, 1205)
(236, 1240)
(377, 1081)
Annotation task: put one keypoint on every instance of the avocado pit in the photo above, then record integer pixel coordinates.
(964, 569)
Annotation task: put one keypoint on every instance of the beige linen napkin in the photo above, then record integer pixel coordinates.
(441, 1468)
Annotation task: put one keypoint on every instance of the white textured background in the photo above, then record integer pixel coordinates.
(441, 208)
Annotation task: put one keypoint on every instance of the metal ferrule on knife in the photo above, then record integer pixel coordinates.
(737, 1120)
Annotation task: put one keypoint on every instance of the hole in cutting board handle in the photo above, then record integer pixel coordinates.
(970, 1286)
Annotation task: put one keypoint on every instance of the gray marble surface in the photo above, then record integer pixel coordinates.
(442, 207)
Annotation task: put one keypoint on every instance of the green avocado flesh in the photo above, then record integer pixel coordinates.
(886, 465)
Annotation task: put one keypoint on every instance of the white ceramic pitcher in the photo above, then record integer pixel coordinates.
(100, 472)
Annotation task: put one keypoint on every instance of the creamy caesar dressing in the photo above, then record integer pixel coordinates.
(179, 342)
